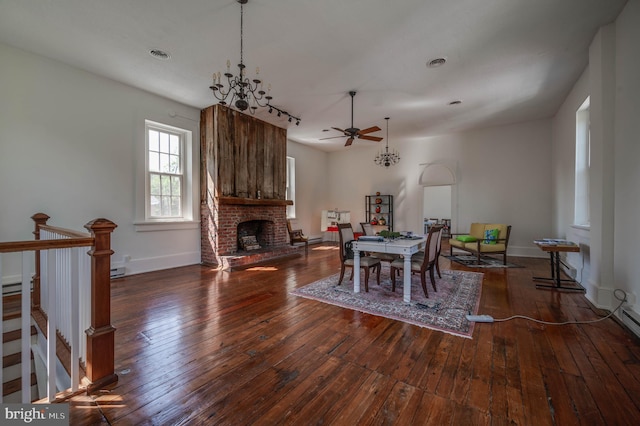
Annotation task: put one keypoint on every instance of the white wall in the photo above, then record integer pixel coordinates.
(503, 176)
(70, 146)
(311, 186)
(611, 81)
(627, 152)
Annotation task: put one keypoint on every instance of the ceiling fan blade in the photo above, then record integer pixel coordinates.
(340, 130)
(369, 130)
(332, 137)
(349, 141)
(370, 138)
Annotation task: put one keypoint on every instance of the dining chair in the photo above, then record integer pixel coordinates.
(368, 229)
(420, 265)
(296, 235)
(420, 255)
(368, 263)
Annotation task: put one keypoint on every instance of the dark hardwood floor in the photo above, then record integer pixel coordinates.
(196, 346)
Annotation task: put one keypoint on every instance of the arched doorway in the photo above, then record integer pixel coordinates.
(438, 193)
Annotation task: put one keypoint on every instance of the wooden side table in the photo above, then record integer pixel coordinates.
(554, 250)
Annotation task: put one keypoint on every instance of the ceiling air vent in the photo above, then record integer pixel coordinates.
(437, 62)
(159, 54)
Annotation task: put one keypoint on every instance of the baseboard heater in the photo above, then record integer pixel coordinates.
(11, 289)
(631, 320)
(117, 272)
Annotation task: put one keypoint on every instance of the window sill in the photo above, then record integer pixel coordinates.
(166, 226)
(582, 227)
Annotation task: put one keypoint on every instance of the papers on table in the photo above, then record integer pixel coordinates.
(370, 238)
(554, 242)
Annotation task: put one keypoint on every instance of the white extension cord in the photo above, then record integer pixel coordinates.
(489, 318)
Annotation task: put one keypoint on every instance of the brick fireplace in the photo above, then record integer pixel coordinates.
(220, 239)
(242, 183)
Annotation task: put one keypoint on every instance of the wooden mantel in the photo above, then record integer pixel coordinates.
(253, 201)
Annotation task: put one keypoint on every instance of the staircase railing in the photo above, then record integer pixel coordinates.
(71, 294)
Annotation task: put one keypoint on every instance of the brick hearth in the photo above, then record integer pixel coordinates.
(219, 226)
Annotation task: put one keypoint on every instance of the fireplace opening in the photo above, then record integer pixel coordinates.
(255, 234)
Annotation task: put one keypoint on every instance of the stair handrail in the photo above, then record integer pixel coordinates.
(100, 345)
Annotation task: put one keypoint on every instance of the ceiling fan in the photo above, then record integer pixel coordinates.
(353, 132)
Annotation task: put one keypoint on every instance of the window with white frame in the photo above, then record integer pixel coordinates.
(291, 186)
(583, 163)
(166, 185)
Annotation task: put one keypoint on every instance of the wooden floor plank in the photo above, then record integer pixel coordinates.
(585, 407)
(479, 395)
(399, 398)
(198, 346)
(447, 380)
(367, 401)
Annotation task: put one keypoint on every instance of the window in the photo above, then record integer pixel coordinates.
(583, 163)
(166, 194)
(291, 186)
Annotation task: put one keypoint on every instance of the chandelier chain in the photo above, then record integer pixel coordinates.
(242, 92)
(241, 33)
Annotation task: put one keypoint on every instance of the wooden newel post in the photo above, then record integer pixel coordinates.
(40, 219)
(101, 334)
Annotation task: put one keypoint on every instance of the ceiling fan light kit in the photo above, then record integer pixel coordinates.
(241, 91)
(386, 158)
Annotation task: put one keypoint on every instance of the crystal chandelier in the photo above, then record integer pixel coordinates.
(241, 91)
(386, 158)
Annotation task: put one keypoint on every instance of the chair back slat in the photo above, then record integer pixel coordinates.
(431, 249)
(345, 232)
(367, 228)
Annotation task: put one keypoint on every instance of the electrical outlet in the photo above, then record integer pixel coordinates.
(631, 299)
(126, 258)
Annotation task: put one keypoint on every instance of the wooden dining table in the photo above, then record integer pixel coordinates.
(403, 246)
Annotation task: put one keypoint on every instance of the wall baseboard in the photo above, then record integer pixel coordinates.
(521, 251)
(150, 264)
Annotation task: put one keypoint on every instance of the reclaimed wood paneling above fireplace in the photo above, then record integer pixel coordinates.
(241, 156)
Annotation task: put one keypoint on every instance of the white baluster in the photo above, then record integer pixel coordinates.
(51, 328)
(26, 330)
(85, 303)
(44, 281)
(75, 326)
(63, 295)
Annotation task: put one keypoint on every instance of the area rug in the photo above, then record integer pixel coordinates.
(445, 310)
(485, 262)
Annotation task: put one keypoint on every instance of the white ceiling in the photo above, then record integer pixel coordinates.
(507, 60)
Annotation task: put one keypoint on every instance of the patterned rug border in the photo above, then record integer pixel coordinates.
(418, 311)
